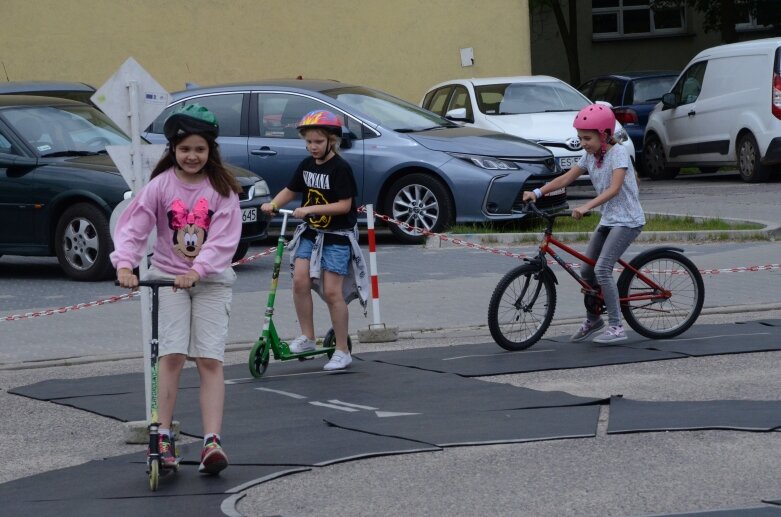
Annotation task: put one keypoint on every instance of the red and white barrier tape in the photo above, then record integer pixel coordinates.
(375, 288)
(111, 299)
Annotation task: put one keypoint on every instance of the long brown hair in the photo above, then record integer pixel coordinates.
(220, 178)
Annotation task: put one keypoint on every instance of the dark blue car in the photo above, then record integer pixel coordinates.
(633, 96)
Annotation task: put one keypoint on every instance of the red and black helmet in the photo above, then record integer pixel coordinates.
(321, 119)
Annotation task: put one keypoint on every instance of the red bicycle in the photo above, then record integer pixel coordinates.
(660, 291)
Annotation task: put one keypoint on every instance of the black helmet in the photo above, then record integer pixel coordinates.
(191, 119)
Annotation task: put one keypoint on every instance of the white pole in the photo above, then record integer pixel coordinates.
(146, 302)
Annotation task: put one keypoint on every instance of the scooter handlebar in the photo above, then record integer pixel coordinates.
(152, 283)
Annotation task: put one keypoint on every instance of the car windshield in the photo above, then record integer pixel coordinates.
(522, 98)
(388, 111)
(65, 130)
(651, 88)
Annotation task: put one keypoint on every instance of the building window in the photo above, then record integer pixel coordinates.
(747, 20)
(632, 18)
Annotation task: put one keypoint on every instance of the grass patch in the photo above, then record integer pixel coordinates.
(654, 223)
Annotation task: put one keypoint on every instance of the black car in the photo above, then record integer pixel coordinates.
(633, 96)
(58, 186)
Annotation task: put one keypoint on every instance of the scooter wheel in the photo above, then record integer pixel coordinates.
(258, 358)
(329, 341)
(154, 474)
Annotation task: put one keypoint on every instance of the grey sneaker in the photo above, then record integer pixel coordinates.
(302, 344)
(339, 361)
(611, 335)
(587, 329)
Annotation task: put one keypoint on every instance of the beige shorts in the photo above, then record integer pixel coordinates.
(194, 321)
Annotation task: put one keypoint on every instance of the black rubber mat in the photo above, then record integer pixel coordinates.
(755, 511)
(480, 428)
(719, 339)
(767, 323)
(119, 486)
(627, 416)
(487, 359)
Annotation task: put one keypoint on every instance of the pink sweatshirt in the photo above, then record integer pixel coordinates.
(197, 228)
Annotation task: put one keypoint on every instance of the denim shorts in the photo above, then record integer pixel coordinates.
(336, 257)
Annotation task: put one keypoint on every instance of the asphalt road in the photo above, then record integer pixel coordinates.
(438, 298)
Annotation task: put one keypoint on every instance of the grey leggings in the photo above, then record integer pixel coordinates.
(606, 246)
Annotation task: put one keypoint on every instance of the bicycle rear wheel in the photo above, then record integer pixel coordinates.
(522, 307)
(660, 317)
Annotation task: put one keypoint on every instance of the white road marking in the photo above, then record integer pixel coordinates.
(386, 414)
(334, 401)
(280, 392)
(333, 406)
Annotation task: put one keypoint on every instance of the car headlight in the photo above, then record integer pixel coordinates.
(487, 162)
(260, 188)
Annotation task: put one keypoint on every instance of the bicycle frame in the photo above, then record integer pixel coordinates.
(547, 248)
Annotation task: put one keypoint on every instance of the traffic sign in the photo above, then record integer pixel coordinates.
(123, 159)
(113, 97)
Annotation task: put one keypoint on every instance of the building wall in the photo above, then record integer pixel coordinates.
(620, 55)
(400, 46)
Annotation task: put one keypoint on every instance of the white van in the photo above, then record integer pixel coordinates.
(724, 110)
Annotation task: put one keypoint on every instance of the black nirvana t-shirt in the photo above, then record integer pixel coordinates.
(328, 182)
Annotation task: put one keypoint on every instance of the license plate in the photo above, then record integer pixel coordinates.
(568, 162)
(249, 215)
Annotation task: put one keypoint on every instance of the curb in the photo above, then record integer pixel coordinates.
(408, 334)
(770, 232)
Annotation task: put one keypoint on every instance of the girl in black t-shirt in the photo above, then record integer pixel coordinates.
(327, 186)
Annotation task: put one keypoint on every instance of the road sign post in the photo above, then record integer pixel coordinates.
(132, 99)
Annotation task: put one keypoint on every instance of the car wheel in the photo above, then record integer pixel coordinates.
(241, 251)
(83, 243)
(421, 201)
(655, 162)
(749, 165)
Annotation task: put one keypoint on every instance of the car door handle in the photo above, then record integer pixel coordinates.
(692, 113)
(263, 151)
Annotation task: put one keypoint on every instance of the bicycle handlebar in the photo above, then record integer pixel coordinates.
(530, 206)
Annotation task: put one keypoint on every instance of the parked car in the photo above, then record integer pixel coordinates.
(633, 96)
(724, 110)
(58, 187)
(81, 92)
(536, 107)
(413, 165)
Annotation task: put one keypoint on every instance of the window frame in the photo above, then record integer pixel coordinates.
(620, 9)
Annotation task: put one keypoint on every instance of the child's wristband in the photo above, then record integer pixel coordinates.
(537, 193)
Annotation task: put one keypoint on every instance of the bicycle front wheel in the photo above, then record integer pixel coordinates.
(645, 309)
(522, 307)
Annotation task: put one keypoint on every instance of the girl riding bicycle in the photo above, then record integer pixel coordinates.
(613, 176)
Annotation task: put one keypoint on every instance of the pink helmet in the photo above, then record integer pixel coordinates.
(596, 117)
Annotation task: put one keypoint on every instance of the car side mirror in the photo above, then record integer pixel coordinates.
(458, 114)
(13, 160)
(669, 100)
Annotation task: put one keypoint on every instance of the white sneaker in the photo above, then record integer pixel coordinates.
(339, 361)
(302, 344)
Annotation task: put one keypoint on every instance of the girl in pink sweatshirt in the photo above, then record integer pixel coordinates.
(192, 201)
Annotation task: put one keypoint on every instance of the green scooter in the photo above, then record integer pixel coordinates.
(269, 340)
